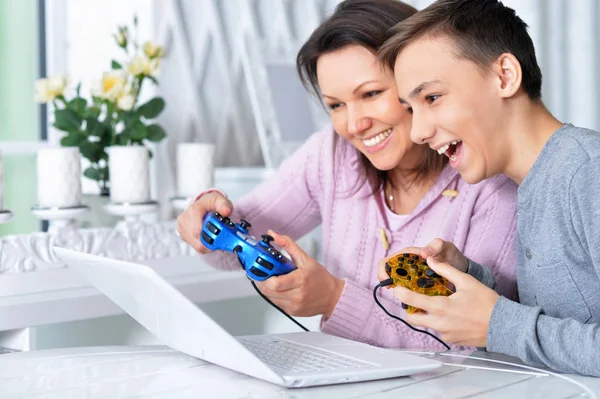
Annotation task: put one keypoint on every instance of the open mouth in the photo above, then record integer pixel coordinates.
(451, 149)
(372, 142)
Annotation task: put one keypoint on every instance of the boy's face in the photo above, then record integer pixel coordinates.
(455, 105)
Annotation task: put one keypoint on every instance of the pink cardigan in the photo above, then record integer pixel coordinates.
(311, 188)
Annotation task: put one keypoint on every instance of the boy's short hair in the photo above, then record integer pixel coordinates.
(482, 30)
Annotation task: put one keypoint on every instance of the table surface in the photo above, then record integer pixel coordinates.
(160, 372)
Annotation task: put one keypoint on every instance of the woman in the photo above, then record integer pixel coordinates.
(373, 191)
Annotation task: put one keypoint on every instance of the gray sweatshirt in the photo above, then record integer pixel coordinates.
(557, 323)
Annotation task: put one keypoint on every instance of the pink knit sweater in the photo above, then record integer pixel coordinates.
(311, 188)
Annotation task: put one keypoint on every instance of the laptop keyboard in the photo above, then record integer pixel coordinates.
(299, 358)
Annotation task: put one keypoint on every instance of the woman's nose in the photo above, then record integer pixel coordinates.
(358, 122)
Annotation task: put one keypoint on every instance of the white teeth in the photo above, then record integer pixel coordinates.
(453, 158)
(377, 139)
(443, 149)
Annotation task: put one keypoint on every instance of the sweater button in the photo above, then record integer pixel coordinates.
(528, 253)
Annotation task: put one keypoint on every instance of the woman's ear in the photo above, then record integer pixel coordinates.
(509, 75)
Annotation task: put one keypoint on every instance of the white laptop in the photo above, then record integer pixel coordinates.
(291, 360)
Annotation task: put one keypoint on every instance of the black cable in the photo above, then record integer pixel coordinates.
(236, 251)
(387, 282)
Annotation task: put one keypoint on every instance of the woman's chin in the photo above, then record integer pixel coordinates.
(382, 164)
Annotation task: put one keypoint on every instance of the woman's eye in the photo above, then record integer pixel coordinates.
(372, 93)
(334, 106)
(430, 99)
(409, 110)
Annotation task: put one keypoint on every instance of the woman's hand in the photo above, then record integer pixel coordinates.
(189, 223)
(307, 291)
(438, 249)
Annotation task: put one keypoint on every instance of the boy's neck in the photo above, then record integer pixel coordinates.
(528, 131)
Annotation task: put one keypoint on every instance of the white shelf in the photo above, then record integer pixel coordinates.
(60, 295)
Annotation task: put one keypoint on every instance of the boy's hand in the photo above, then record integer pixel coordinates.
(446, 252)
(461, 318)
(438, 249)
(307, 291)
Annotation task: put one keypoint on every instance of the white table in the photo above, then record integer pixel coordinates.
(159, 372)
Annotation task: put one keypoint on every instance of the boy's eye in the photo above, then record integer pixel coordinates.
(372, 93)
(409, 110)
(430, 99)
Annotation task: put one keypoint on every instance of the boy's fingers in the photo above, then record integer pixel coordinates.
(415, 299)
(452, 274)
(434, 248)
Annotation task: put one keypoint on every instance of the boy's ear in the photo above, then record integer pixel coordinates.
(509, 73)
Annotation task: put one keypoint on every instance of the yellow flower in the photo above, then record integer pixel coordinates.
(153, 50)
(111, 86)
(48, 89)
(142, 65)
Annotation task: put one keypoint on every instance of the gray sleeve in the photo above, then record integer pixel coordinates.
(481, 273)
(565, 345)
(526, 332)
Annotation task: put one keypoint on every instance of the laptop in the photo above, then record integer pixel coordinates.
(291, 359)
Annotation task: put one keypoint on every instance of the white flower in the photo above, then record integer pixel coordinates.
(122, 36)
(111, 86)
(48, 89)
(142, 65)
(153, 50)
(126, 101)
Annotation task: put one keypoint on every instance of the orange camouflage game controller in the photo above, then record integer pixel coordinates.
(411, 271)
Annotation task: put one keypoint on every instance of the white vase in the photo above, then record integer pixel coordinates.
(129, 171)
(59, 177)
(195, 168)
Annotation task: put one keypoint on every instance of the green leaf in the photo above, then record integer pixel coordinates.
(106, 139)
(156, 133)
(138, 131)
(67, 120)
(98, 101)
(91, 151)
(71, 140)
(78, 105)
(115, 65)
(152, 108)
(96, 128)
(129, 118)
(92, 112)
(122, 138)
(92, 173)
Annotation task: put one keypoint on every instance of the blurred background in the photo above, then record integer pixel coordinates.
(227, 77)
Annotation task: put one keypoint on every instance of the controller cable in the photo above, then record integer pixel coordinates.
(237, 251)
(387, 282)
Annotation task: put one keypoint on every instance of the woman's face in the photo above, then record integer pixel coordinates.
(363, 101)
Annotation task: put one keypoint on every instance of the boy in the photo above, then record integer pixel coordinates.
(466, 70)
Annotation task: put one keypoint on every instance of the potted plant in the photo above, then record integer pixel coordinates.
(112, 116)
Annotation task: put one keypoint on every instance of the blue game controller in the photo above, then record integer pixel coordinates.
(260, 259)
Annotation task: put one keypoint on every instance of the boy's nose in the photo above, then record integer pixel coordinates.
(421, 131)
